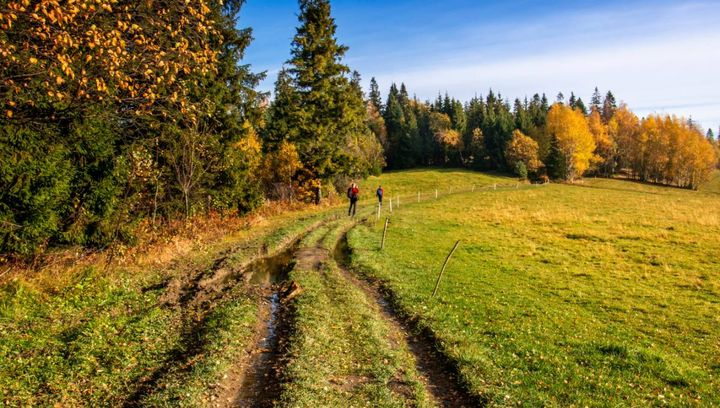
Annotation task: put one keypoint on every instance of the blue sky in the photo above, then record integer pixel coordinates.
(657, 56)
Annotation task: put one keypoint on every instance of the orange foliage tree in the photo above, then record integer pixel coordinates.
(605, 147)
(523, 149)
(574, 140)
(57, 56)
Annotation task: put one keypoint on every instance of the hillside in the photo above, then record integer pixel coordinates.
(558, 294)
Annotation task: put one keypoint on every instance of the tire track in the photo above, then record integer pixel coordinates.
(438, 373)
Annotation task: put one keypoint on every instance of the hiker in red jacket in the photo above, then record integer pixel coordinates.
(353, 193)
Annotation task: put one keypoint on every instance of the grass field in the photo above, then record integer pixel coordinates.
(602, 293)
(605, 293)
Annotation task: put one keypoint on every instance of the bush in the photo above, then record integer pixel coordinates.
(521, 170)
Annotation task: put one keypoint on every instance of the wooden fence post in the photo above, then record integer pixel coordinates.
(382, 243)
(418, 196)
(436, 193)
(437, 284)
(398, 201)
(378, 211)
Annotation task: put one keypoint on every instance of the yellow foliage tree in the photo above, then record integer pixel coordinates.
(623, 128)
(523, 149)
(65, 54)
(574, 140)
(605, 148)
(673, 152)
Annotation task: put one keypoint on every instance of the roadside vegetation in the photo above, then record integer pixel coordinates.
(113, 335)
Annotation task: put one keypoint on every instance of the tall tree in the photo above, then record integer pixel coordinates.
(374, 96)
(574, 140)
(609, 106)
(596, 100)
(326, 103)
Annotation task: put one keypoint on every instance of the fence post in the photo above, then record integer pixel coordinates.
(382, 243)
(398, 201)
(495, 186)
(418, 196)
(473, 189)
(437, 284)
(390, 205)
(436, 193)
(378, 211)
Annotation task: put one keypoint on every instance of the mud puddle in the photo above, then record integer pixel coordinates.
(438, 373)
(256, 381)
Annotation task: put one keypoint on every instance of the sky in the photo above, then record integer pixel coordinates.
(657, 56)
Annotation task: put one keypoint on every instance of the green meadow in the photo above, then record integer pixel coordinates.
(604, 293)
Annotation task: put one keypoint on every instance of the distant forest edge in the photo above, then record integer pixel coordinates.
(119, 114)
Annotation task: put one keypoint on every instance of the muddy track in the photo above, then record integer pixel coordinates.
(439, 374)
(255, 380)
(199, 293)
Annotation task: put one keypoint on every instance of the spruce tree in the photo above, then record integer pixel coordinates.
(710, 135)
(394, 123)
(325, 119)
(580, 105)
(596, 100)
(560, 98)
(375, 97)
(609, 107)
(573, 100)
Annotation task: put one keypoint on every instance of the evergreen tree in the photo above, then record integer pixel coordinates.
(609, 107)
(394, 123)
(375, 97)
(523, 121)
(327, 115)
(596, 100)
(555, 163)
(710, 135)
(560, 98)
(573, 100)
(580, 105)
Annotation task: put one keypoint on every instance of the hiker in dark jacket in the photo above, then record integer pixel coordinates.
(353, 193)
(379, 194)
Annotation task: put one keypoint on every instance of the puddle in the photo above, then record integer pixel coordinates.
(259, 385)
(272, 270)
(341, 253)
(261, 380)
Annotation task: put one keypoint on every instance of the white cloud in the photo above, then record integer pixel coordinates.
(665, 63)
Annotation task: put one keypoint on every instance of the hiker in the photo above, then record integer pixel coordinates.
(380, 193)
(353, 193)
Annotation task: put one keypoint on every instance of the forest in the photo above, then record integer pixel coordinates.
(120, 114)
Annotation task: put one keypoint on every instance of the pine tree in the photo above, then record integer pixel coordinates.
(580, 105)
(560, 98)
(375, 97)
(609, 107)
(326, 116)
(710, 135)
(556, 163)
(596, 100)
(573, 100)
(394, 123)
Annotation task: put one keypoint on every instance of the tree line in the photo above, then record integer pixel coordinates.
(563, 140)
(118, 114)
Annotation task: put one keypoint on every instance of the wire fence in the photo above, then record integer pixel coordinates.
(394, 202)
